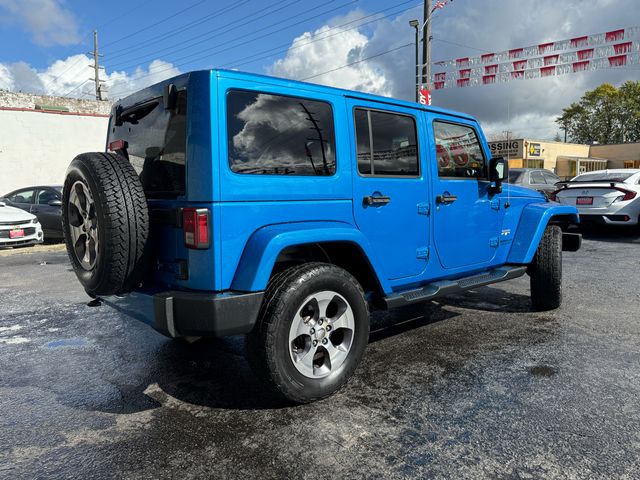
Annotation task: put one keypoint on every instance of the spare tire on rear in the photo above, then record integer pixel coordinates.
(105, 220)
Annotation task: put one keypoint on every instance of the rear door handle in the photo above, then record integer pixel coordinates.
(446, 199)
(376, 200)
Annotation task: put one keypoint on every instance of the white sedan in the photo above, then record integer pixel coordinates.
(18, 228)
(605, 196)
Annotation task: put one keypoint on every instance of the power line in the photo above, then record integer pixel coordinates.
(241, 37)
(358, 61)
(171, 33)
(460, 45)
(200, 39)
(75, 88)
(286, 47)
(245, 42)
(153, 25)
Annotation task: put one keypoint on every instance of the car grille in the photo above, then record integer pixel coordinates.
(27, 231)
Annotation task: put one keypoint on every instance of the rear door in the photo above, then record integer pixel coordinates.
(390, 191)
(467, 218)
(22, 199)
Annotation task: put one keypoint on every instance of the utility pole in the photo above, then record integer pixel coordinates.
(426, 44)
(416, 79)
(96, 66)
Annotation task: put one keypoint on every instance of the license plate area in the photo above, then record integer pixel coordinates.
(16, 233)
(584, 201)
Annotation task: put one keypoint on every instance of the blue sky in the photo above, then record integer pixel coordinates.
(144, 41)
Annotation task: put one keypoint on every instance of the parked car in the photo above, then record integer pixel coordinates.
(539, 179)
(231, 203)
(609, 197)
(18, 228)
(44, 202)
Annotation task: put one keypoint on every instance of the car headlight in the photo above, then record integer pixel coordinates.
(35, 220)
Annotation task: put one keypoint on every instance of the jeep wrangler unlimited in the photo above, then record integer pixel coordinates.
(230, 203)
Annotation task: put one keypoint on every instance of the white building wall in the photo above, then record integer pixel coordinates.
(36, 147)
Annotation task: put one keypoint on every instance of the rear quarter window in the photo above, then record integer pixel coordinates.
(279, 135)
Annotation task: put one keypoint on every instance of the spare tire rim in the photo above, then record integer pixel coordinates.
(83, 225)
(321, 334)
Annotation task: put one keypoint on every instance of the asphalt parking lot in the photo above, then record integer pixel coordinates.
(472, 386)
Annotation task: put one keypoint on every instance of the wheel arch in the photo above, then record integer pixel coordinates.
(533, 221)
(275, 247)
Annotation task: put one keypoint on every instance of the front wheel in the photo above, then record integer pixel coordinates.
(546, 271)
(312, 331)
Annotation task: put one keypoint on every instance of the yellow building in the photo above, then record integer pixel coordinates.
(566, 159)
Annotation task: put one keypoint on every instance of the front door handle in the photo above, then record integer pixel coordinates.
(446, 198)
(376, 200)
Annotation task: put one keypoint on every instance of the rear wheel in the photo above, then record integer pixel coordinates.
(105, 222)
(312, 331)
(546, 271)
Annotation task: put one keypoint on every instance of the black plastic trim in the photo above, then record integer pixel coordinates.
(206, 314)
(571, 242)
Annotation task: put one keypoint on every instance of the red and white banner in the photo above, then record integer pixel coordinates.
(468, 80)
(584, 43)
(424, 96)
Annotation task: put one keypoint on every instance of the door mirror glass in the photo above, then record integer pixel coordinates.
(498, 172)
(55, 203)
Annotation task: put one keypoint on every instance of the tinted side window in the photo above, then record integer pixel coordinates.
(277, 135)
(395, 148)
(45, 196)
(458, 151)
(23, 196)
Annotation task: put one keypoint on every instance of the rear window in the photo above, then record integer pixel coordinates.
(157, 141)
(603, 177)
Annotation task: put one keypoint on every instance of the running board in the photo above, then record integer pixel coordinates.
(446, 287)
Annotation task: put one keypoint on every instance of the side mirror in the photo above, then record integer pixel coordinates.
(498, 172)
(55, 203)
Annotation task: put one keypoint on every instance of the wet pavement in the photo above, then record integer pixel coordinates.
(471, 386)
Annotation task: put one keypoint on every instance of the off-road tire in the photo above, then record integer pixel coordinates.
(123, 222)
(546, 271)
(268, 344)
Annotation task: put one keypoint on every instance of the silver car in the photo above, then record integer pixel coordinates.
(610, 197)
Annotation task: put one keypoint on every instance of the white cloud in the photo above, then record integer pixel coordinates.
(48, 21)
(71, 77)
(528, 108)
(305, 59)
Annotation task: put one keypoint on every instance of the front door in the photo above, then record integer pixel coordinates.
(468, 216)
(390, 195)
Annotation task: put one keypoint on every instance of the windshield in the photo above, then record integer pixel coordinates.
(515, 176)
(603, 177)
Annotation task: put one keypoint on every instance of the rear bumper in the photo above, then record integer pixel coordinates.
(606, 219)
(187, 314)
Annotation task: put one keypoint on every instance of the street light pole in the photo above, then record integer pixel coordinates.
(416, 81)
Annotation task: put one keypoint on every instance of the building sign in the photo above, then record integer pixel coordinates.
(534, 149)
(506, 148)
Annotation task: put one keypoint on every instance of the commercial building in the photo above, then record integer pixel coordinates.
(566, 159)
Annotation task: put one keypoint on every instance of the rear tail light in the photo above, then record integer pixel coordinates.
(195, 223)
(628, 195)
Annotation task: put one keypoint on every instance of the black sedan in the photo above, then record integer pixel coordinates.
(537, 178)
(45, 202)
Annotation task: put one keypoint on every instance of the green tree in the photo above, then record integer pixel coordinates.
(605, 115)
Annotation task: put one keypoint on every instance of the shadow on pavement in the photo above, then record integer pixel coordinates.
(609, 233)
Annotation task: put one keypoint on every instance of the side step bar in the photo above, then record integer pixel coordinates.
(446, 287)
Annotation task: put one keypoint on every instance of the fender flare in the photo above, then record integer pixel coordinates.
(534, 219)
(266, 243)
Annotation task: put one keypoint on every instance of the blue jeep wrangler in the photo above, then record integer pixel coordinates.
(230, 203)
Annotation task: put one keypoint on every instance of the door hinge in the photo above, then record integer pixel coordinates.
(495, 204)
(423, 253)
(493, 242)
(424, 209)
